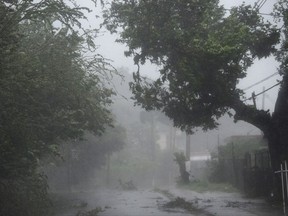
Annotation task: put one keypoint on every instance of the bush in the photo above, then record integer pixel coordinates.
(26, 196)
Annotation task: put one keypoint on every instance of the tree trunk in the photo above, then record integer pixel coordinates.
(274, 146)
(278, 134)
(188, 146)
(277, 144)
(274, 127)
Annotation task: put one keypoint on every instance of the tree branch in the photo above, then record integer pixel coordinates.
(259, 118)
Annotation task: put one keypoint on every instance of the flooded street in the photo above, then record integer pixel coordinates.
(174, 202)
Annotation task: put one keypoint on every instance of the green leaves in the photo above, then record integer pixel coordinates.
(202, 53)
(51, 91)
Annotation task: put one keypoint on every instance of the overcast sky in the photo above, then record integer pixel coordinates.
(260, 70)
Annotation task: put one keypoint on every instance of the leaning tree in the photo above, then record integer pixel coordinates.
(203, 52)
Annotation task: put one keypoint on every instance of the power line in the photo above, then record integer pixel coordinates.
(261, 4)
(255, 95)
(257, 4)
(260, 81)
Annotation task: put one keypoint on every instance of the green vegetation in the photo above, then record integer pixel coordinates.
(51, 90)
(205, 186)
(238, 146)
(202, 52)
(223, 166)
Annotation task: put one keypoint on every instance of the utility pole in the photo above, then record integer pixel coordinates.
(235, 179)
(218, 144)
(263, 98)
(254, 99)
(172, 140)
(108, 160)
(153, 148)
(188, 144)
(69, 170)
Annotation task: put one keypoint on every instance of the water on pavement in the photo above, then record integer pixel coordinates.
(152, 203)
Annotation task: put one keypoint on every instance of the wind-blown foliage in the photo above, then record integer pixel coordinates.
(51, 89)
(203, 52)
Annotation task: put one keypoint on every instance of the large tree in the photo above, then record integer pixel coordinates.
(203, 52)
(51, 89)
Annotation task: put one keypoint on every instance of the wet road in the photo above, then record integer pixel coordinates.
(135, 203)
(230, 204)
(154, 203)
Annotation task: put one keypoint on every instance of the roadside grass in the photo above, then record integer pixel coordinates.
(205, 186)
